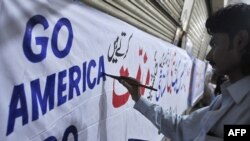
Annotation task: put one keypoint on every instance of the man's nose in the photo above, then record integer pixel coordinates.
(209, 56)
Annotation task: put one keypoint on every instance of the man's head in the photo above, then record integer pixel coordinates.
(230, 30)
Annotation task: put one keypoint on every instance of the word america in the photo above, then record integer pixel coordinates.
(50, 97)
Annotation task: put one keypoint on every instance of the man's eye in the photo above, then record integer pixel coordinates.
(212, 44)
(216, 44)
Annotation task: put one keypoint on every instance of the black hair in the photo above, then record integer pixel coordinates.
(231, 20)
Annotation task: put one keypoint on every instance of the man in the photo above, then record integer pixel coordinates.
(230, 30)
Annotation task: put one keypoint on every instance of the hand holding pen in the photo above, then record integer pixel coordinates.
(132, 85)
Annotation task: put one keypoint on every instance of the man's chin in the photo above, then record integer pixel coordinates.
(218, 71)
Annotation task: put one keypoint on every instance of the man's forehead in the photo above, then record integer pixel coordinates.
(218, 35)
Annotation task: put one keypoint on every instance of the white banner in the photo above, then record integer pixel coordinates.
(198, 79)
(53, 56)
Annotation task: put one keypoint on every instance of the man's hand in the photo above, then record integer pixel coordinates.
(132, 85)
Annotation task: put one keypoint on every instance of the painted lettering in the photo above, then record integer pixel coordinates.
(43, 41)
(44, 100)
(18, 96)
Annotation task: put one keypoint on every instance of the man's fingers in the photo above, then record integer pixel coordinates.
(132, 88)
(128, 85)
(130, 80)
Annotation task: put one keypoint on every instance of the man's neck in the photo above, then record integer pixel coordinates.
(233, 77)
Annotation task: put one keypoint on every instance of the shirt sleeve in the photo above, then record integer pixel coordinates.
(176, 127)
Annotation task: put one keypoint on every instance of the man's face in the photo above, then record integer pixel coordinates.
(223, 56)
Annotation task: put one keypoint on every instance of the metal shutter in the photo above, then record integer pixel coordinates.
(157, 17)
(197, 32)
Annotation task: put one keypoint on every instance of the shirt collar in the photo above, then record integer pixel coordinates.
(239, 89)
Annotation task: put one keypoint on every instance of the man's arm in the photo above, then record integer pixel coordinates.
(178, 128)
(170, 124)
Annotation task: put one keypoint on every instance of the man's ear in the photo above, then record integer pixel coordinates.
(241, 40)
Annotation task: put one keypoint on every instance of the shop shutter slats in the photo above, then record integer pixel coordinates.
(145, 15)
(153, 13)
(161, 18)
(197, 31)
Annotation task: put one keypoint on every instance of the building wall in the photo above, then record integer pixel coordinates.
(164, 19)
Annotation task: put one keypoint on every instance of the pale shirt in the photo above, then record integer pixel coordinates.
(232, 107)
